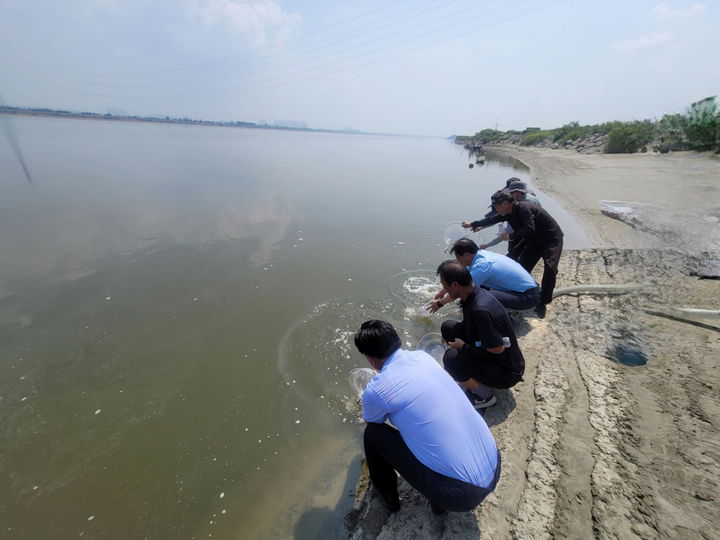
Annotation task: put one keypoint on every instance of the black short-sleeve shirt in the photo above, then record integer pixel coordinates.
(486, 323)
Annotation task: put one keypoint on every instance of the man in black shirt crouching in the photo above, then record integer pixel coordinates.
(483, 350)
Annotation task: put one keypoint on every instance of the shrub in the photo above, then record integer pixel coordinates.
(559, 133)
(702, 126)
(630, 137)
(578, 132)
(489, 135)
(535, 137)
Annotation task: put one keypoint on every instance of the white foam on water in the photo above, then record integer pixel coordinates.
(424, 286)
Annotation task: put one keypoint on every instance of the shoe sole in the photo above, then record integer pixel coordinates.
(485, 404)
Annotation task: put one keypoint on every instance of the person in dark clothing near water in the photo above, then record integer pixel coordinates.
(543, 238)
(483, 350)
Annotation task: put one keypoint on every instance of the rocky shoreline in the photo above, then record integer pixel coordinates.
(593, 446)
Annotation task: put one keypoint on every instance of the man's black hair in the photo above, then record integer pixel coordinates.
(452, 271)
(377, 339)
(463, 246)
(501, 196)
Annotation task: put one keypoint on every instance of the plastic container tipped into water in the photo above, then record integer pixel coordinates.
(454, 231)
(359, 379)
(433, 344)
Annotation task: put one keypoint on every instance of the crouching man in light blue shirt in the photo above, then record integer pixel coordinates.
(440, 445)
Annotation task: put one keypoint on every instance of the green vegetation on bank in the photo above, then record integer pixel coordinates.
(698, 128)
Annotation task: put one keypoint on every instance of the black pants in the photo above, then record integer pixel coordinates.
(490, 369)
(386, 452)
(517, 300)
(515, 248)
(550, 254)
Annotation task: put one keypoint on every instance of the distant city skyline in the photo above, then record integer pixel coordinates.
(436, 67)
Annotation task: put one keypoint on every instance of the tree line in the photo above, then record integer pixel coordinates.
(697, 128)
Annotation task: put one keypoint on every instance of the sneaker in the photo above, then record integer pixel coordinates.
(480, 403)
(541, 310)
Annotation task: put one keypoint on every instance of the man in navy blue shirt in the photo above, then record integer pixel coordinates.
(483, 350)
(438, 444)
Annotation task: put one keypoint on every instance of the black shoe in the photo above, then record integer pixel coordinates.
(541, 310)
(479, 403)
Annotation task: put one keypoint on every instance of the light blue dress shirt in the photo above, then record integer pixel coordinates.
(499, 272)
(433, 416)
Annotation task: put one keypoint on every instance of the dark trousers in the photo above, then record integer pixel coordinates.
(550, 254)
(517, 300)
(515, 248)
(486, 368)
(386, 452)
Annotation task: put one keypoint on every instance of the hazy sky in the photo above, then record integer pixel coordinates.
(423, 67)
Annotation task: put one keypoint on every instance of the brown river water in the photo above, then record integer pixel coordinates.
(177, 306)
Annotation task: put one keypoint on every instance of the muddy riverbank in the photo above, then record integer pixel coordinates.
(614, 432)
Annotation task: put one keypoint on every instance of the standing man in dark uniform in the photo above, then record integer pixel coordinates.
(542, 235)
(483, 351)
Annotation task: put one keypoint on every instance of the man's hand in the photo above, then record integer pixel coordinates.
(504, 236)
(441, 293)
(466, 225)
(435, 305)
(457, 344)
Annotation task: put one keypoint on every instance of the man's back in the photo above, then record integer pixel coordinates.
(533, 223)
(434, 417)
(499, 272)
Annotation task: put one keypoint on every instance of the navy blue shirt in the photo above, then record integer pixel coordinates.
(486, 323)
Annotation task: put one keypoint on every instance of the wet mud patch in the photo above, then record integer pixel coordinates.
(626, 350)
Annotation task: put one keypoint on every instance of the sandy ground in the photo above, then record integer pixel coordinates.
(678, 194)
(592, 447)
